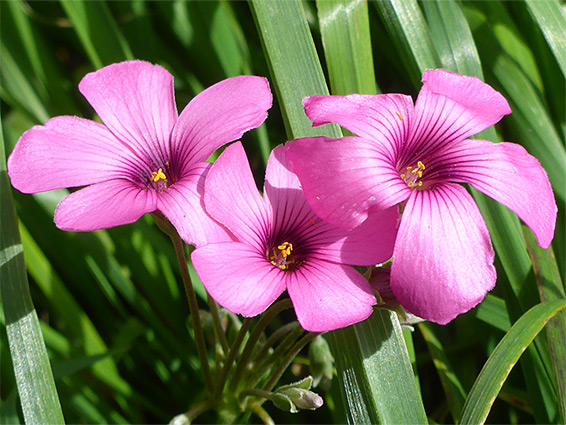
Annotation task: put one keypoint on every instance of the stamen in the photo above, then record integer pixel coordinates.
(414, 174)
(280, 257)
(157, 175)
(400, 116)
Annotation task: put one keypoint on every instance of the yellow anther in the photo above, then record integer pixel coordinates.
(420, 174)
(403, 176)
(158, 175)
(400, 116)
(286, 249)
(420, 183)
(409, 168)
(421, 165)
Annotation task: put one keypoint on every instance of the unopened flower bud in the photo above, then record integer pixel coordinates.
(297, 396)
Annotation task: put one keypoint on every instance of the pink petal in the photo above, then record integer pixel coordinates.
(136, 101)
(238, 277)
(328, 296)
(232, 198)
(344, 179)
(450, 108)
(291, 212)
(67, 152)
(218, 115)
(384, 117)
(443, 258)
(183, 205)
(507, 173)
(368, 244)
(104, 205)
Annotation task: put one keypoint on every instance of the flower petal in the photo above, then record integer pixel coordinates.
(136, 101)
(218, 115)
(383, 117)
(450, 108)
(232, 198)
(183, 205)
(104, 205)
(443, 258)
(344, 179)
(510, 175)
(238, 277)
(291, 212)
(328, 296)
(67, 152)
(368, 244)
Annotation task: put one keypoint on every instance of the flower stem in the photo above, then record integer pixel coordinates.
(193, 307)
(262, 414)
(257, 393)
(266, 362)
(266, 317)
(231, 357)
(200, 408)
(220, 335)
(288, 359)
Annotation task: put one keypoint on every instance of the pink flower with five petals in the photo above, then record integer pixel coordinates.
(282, 245)
(412, 155)
(145, 157)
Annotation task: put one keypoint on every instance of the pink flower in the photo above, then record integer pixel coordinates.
(281, 244)
(412, 155)
(146, 157)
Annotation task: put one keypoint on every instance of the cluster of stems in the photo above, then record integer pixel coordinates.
(242, 367)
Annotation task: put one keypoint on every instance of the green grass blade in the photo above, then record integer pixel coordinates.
(550, 18)
(344, 25)
(455, 394)
(102, 46)
(493, 311)
(410, 34)
(551, 288)
(294, 64)
(503, 358)
(38, 395)
(375, 371)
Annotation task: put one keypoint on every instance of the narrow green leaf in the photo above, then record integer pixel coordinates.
(411, 35)
(97, 32)
(455, 394)
(294, 64)
(375, 371)
(503, 358)
(38, 395)
(550, 18)
(492, 310)
(551, 288)
(344, 25)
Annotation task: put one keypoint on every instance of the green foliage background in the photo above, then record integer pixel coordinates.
(110, 303)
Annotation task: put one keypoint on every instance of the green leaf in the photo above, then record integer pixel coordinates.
(293, 62)
(344, 25)
(375, 371)
(455, 394)
(410, 34)
(551, 288)
(38, 395)
(503, 358)
(97, 32)
(550, 18)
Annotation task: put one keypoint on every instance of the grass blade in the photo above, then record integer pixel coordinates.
(344, 25)
(551, 21)
(503, 358)
(376, 373)
(38, 395)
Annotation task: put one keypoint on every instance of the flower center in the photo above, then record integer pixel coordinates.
(159, 180)
(413, 175)
(280, 256)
